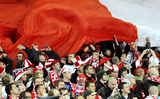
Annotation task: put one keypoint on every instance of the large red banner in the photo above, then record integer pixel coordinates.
(64, 25)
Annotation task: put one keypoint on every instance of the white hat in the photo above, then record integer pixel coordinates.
(20, 74)
(27, 64)
(64, 70)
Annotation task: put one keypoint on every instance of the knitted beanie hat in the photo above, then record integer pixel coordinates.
(100, 74)
(121, 71)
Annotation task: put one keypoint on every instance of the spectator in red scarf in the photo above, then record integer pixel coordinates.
(135, 90)
(40, 90)
(153, 79)
(80, 86)
(89, 72)
(153, 92)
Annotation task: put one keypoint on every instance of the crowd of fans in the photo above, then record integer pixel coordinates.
(105, 70)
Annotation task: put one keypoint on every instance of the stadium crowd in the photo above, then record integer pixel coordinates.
(105, 70)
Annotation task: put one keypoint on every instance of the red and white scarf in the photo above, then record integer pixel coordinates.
(80, 89)
(53, 76)
(73, 87)
(95, 64)
(118, 81)
(12, 97)
(155, 79)
(98, 97)
(134, 48)
(152, 96)
(142, 93)
(33, 93)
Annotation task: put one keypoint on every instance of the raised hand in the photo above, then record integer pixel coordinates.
(47, 48)
(35, 47)
(147, 39)
(20, 47)
(1, 50)
(101, 55)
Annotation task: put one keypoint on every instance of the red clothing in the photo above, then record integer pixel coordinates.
(80, 89)
(139, 67)
(90, 79)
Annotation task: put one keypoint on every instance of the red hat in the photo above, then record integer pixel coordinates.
(20, 74)
(77, 62)
(2, 70)
(84, 56)
(103, 60)
(81, 77)
(27, 63)
(15, 71)
(112, 67)
(37, 68)
(64, 70)
(49, 63)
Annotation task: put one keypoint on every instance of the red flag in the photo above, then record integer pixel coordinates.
(64, 26)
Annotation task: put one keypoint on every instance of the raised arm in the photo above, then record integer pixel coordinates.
(140, 57)
(26, 49)
(148, 43)
(119, 50)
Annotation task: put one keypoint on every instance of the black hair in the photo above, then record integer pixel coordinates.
(21, 53)
(9, 88)
(91, 52)
(88, 83)
(145, 63)
(107, 49)
(40, 53)
(74, 54)
(120, 86)
(86, 67)
(37, 87)
(125, 54)
(22, 95)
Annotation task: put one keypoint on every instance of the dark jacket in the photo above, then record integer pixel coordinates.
(119, 96)
(92, 78)
(9, 65)
(136, 91)
(74, 77)
(98, 85)
(30, 89)
(147, 84)
(140, 83)
(105, 91)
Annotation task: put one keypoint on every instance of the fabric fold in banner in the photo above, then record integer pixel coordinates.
(64, 26)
